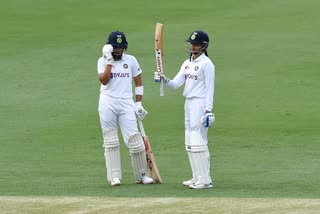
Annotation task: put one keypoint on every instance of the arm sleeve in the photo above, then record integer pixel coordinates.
(209, 81)
(179, 79)
(136, 70)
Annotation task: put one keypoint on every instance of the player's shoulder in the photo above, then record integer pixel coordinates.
(206, 63)
(207, 59)
(129, 57)
(185, 62)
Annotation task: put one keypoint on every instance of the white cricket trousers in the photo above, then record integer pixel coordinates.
(194, 110)
(114, 111)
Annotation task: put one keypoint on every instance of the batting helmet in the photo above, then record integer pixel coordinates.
(117, 39)
(199, 37)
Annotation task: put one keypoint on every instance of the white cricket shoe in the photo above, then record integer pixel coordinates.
(189, 182)
(145, 180)
(116, 182)
(200, 186)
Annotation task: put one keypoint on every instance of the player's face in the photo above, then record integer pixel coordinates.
(118, 51)
(195, 47)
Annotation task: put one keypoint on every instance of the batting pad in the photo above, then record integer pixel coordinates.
(188, 149)
(138, 155)
(199, 158)
(112, 153)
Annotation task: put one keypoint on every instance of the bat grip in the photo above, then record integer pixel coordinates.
(141, 127)
(161, 88)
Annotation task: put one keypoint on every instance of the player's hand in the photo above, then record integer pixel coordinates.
(158, 77)
(140, 111)
(208, 119)
(107, 54)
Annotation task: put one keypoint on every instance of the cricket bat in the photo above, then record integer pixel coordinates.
(152, 165)
(159, 52)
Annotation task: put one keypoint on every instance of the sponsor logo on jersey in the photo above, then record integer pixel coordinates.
(191, 76)
(120, 75)
(125, 66)
(196, 68)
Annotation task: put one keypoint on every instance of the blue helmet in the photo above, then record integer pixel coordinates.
(117, 39)
(199, 37)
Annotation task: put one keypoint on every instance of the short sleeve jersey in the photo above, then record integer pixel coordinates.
(122, 73)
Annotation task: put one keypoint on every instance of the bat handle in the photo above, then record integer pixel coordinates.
(161, 89)
(141, 127)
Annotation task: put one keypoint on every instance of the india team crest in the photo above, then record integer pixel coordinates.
(193, 36)
(119, 40)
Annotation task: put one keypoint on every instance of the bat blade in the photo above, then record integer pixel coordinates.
(152, 165)
(159, 52)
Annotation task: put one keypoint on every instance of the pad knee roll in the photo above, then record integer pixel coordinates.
(135, 143)
(194, 142)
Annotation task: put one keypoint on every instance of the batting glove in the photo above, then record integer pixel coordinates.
(140, 111)
(158, 77)
(107, 54)
(208, 119)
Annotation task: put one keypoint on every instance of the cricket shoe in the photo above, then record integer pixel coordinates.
(200, 186)
(145, 180)
(189, 182)
(115, 182)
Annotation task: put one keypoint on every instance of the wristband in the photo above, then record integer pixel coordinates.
(139, 90)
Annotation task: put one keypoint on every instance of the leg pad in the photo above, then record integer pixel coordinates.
(112, 153)
(138, 155)
(199, 158)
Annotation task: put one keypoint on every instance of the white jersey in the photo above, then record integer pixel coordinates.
(198, 76)
(122, 72)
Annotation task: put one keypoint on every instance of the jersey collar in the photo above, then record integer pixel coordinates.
(200, 57)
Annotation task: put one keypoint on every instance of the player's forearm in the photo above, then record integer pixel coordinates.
(139, 93)
(106, 75)
(138, 98)
(139, 88)
(176, 82)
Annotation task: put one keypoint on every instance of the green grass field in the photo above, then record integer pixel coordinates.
(265, 146)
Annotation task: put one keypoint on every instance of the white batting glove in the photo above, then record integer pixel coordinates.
(140, 111)
(107, 54)
(158, 77)
(208, 119)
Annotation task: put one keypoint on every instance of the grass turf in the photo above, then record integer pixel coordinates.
(265, 143)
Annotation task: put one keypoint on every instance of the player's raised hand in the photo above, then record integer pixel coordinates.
(158, 77)
(107, 53)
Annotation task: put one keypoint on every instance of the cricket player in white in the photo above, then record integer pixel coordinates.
(116, 70)
(197, 73)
